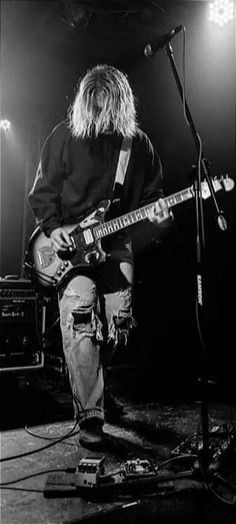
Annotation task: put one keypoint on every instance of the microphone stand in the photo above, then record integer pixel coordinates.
(203, 168)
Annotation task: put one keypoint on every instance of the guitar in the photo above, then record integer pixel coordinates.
(50, 269)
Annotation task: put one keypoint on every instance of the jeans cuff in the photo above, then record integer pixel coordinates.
(91, 413)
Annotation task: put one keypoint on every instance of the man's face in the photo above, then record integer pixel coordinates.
(100, 100)
(98, 103)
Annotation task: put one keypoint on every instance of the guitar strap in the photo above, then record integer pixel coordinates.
(123, 161)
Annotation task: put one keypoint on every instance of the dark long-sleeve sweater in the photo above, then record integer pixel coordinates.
(74, 175)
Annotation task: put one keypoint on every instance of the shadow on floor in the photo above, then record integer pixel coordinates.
(34, 400)
(44, 397)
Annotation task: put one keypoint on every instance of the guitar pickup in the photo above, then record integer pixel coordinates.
(88, 236)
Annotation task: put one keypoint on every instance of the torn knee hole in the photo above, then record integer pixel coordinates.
(85, 323)
(122, 322)
(80, 317)
(119, 330)
(82, 320)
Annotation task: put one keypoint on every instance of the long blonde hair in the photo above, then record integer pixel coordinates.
(103, 103)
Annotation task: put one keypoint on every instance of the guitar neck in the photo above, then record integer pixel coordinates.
(116, 224)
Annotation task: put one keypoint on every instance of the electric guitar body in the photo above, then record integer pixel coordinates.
(51, 268)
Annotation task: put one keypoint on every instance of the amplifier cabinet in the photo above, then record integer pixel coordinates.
(20, 326)
(55, 364)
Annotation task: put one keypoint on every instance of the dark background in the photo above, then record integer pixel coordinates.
(46, 46)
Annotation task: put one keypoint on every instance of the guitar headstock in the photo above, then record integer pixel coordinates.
(224, 182)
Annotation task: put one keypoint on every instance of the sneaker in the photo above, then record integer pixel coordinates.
(91, 433)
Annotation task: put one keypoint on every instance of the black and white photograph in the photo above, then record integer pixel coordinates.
(117, 262)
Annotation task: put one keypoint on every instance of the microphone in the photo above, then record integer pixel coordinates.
(153, 47)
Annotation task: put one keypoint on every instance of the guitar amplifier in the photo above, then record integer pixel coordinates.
(21, 320)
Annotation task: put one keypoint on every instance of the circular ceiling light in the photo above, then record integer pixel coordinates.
(5, 124)
(221, 11)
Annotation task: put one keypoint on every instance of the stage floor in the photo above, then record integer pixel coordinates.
(149, 429)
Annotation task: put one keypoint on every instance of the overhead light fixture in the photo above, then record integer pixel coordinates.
(221, 11)
(5, 124)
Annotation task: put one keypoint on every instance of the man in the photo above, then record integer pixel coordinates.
(81, 166)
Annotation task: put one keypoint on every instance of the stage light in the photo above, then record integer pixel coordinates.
(221, 11)
(5, 124)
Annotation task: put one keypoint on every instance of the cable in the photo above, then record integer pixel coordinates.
(205, 480)
(39, 337)
(31, 476)
(51, 438)
(20, 455)
(52, 326)
(179, 457)
(211, 489)
(56, 441)
(23, 489)
(225, 481)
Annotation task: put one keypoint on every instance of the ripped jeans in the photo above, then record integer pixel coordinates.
(95, 319)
